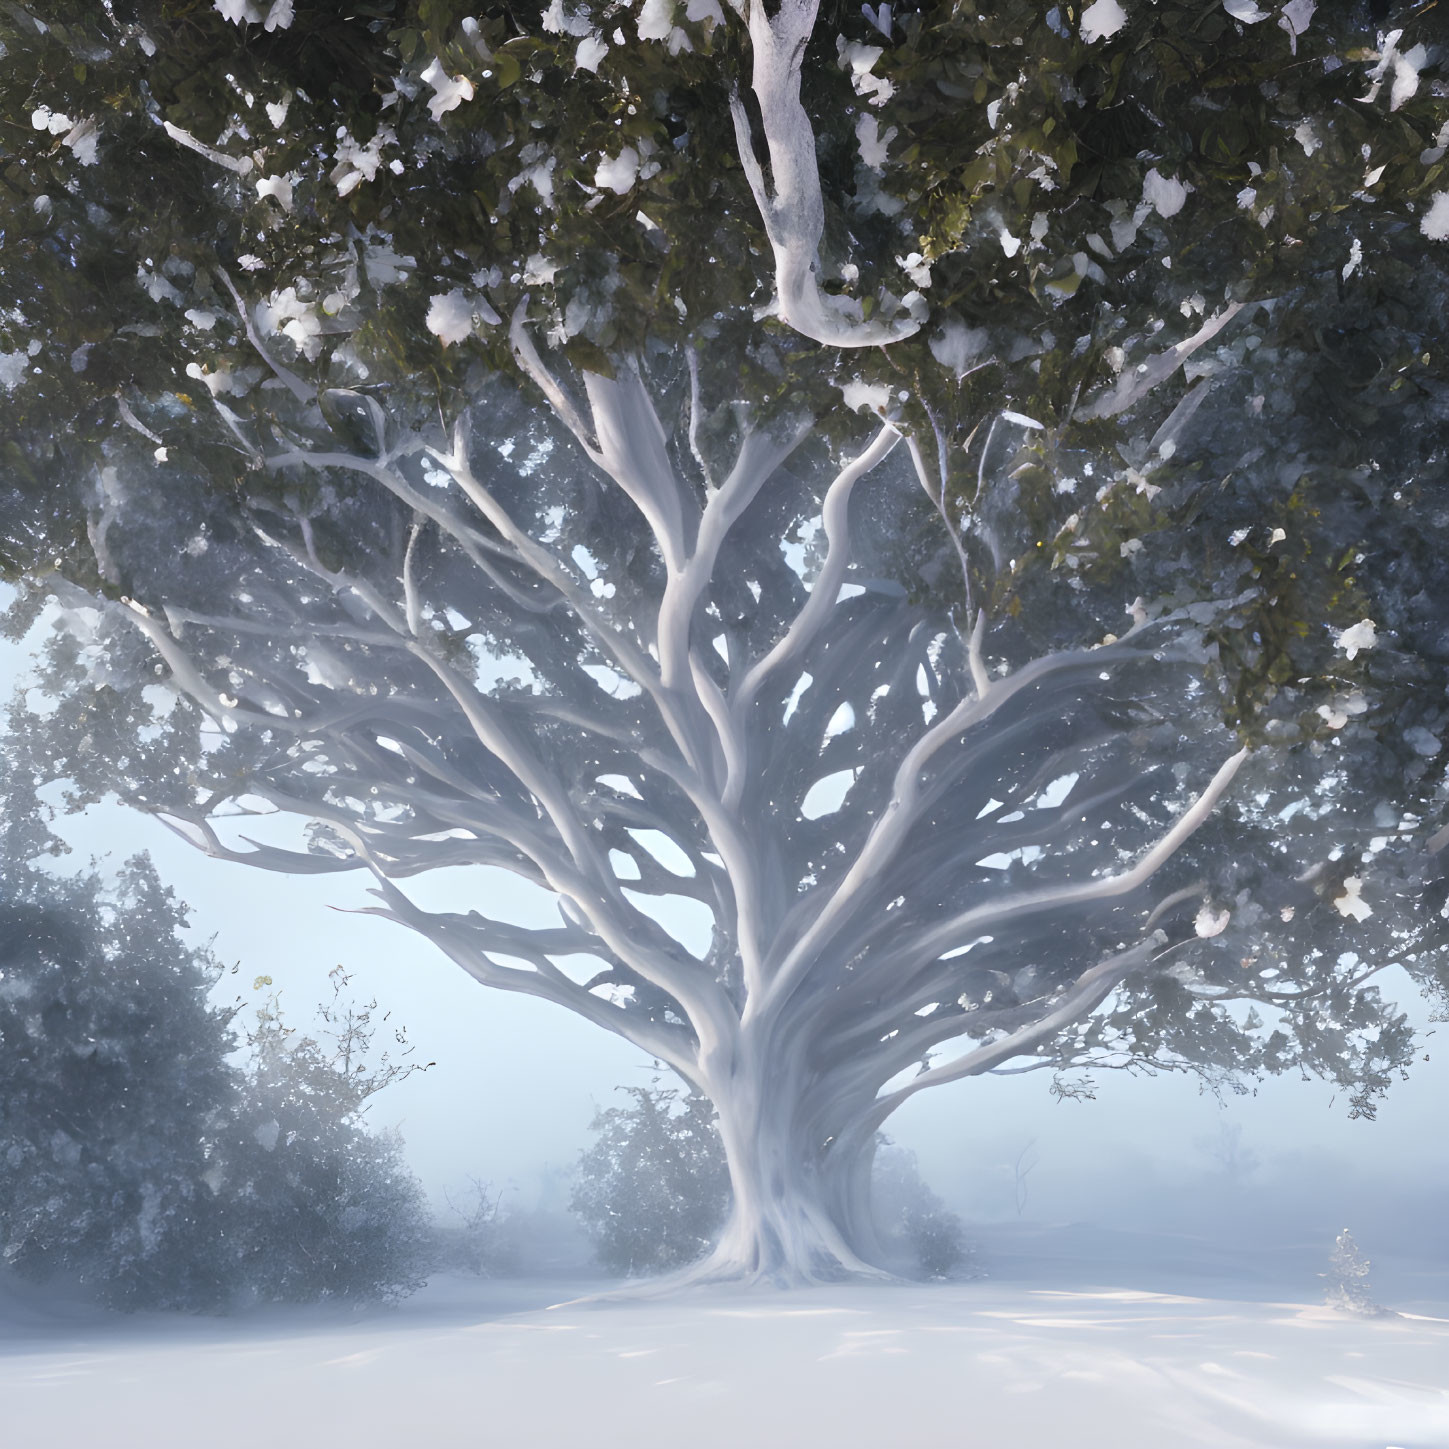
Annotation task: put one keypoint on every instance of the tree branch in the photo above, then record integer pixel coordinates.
(790, 202)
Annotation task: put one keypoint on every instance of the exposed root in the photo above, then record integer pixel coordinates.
(713, 1273)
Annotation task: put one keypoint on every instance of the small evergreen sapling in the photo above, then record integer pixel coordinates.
(1347, 1286)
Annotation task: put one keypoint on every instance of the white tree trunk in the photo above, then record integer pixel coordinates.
(801, 1213)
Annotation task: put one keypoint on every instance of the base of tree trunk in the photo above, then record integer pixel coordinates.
(711, 1272)
(793, 1246)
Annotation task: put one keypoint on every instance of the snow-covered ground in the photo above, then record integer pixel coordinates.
(1080, 1339)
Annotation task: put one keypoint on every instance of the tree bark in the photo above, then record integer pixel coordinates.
(801, 1211)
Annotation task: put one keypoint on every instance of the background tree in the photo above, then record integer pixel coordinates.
(740, 657)
(139, 1161)
(918, 1229)
(116, 1099)
(323, 1206)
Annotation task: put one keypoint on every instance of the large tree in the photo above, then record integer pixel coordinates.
(914, 488)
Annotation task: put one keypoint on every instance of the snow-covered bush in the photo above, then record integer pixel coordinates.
(136, 1159)
(653, 1188)
(320, 1207)
(477, 1237)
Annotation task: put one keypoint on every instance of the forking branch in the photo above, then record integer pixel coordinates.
(650, 753)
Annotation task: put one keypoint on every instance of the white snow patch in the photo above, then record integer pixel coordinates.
(557, 21)
(656, 19)
(279, 188)
(1165, 194)
(1101, 19)
(1244, 10)
(859, 394)
(619, 173)
(83, 139)
(1407, 65)
(874, 147)
(278, 16)
(1061, 1349)
(539, 176)
(860, 60)
(1057, 791)
(962, 950)
(12, 369)
(1351, 902)
(1003, 860)
(1435, 222)
(591, 50)
(42, 118)
(451, 91)
(357, 163)
(1363, 635)
(450, 317)
(156, 286)
(1294, 19)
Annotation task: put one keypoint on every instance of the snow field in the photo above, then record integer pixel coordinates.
(978, 1364)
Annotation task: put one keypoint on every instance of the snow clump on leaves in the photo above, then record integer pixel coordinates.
(1435, 222)
(619, 173)
(1101, 19)
(1166, 195)
(452, 91)
(450, 317)
(278, 15)
(1363, 635)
